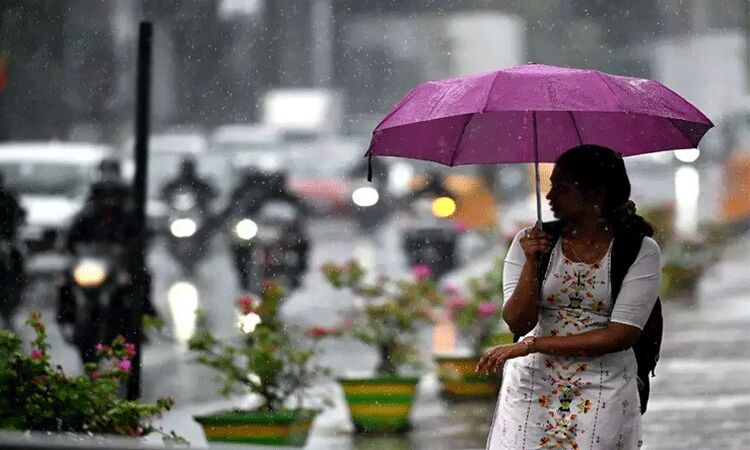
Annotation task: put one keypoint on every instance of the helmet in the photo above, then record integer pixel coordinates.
(187, 166)
(109, 169)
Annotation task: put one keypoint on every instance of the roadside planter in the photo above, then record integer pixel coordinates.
(686, 261)
(477, 317)
(287, 428)
(459, 380)
(380, 404)
(37, 396)
(387, 316)
(266, 363)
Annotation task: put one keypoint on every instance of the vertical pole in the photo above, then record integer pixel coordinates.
(141, 279)
(536, 172)
(539, 274)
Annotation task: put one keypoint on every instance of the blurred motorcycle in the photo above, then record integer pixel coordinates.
(431, 238)
(95, 297)
(270, 245)
(371, 209)
(186, 238)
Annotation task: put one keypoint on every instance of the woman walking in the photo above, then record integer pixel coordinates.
(570, 382)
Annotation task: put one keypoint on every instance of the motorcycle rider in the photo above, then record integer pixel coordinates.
(256, 189)
(107, 219)
(277, 190)
(430, 241)
(12, 276)
(433, 187)
(188, 180)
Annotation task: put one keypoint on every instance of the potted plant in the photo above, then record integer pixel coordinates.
(263, 361)
(685, 262)
(387, 316)
(478, 317)
(36, 396)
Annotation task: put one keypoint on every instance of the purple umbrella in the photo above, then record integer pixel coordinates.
(532, 114)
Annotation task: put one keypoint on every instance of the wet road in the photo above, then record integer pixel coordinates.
(700, 397)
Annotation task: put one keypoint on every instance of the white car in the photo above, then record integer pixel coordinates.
(51, 180)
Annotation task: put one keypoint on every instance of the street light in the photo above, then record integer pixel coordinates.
(688, 155)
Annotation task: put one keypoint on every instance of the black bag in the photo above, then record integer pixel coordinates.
(624, 251)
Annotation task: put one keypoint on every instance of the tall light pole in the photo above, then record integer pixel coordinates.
(321, 17)
(141, 279)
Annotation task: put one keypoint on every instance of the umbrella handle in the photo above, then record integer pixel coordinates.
(539, 274)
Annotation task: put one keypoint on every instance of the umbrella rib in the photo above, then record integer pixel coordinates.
(460, 139)
(575, 127)
(682, 133)
(395, 109)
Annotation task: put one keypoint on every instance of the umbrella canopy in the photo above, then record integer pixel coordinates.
(534, 113)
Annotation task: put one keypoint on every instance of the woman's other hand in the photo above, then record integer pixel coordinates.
(535, 242)
(494, 358)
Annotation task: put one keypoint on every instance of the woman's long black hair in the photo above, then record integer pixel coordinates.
(595, 167)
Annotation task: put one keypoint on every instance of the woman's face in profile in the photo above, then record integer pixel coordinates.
(566, 198)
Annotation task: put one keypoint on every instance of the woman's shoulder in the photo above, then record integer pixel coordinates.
(649, 246)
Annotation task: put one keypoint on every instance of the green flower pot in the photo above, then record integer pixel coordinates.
(460, 381)
(680, 281)
(380, 404)
(285, 428)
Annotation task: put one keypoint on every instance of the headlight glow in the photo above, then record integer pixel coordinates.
(182, 228)
(365, 196)
(183, 304)
(246, 229)
(90, 273)
(443, 207)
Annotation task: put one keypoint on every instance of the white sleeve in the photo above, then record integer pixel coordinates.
(640, 287)
(514, 261)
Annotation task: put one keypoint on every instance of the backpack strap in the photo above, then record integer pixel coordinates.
(624, 251)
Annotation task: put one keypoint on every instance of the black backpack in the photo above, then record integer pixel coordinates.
(624, 251)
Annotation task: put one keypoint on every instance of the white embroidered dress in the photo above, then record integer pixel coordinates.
(549, 402)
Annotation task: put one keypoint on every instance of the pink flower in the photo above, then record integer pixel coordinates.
(99, 347)
(130, 349)
(37, 354)
(94, 374)
(487, 309)
(321, 332)
(124, 365)
(450, 289)
(456, 302)
(245, 305)
(421, 272)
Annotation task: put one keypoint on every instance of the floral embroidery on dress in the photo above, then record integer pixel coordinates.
(563, 396)
(562, 401)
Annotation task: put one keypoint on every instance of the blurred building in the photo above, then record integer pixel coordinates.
(70, 64)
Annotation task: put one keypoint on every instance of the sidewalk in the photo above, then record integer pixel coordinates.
(701, 394)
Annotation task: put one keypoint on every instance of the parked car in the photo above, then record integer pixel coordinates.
(320, 172)
(51, 180)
